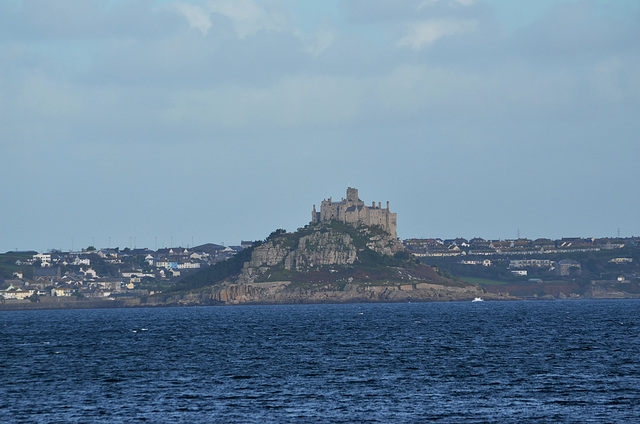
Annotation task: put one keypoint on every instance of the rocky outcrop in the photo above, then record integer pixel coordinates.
(248, 293)
(269, 254)
(286, 292)
(320, 249)
(316, 246)
(385, 245)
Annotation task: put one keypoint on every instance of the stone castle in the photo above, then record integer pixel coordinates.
(354, 211)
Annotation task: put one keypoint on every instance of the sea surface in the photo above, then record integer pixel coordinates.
(462, 362)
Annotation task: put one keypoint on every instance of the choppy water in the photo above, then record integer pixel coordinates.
(444, 362)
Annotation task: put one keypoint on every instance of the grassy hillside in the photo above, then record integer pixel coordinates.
(8, 263)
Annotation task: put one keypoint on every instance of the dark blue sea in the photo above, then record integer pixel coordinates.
(482, 362)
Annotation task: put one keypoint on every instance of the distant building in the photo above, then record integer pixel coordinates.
(62, 291)
(352, 210)
(621, 260)
(16, 293)
(49, 275)
(523, 263)
(81, 261)
(567, 267)
(485, 262)
(44, 258)
(167, 264)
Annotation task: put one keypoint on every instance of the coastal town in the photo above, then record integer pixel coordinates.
(103, 273)
(576, 263)
(522, 254)
(115, 273)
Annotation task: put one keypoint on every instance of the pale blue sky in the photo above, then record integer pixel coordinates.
(222, 120)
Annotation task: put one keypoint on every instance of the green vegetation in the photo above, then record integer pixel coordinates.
(8, 263)
(482, 281)
(154, 285)
(216, 273)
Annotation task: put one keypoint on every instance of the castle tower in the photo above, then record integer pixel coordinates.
(352, 196)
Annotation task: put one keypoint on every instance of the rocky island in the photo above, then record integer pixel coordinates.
(348, 253)
(328, 262)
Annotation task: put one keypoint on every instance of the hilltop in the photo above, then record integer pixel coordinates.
(322, 262)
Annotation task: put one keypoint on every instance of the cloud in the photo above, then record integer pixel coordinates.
(321, 40)
(422, 34)
(247, 17)
(286, 79)
(197, 17)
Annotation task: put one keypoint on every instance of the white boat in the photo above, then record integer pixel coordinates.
(478, 299)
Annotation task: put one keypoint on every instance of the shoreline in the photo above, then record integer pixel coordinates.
(13, 305)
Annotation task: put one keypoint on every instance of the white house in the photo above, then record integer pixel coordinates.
(44, 258)
(61, 291)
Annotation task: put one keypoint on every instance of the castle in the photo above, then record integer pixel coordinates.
(353, 211)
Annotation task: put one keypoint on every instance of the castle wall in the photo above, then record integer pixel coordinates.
(352, 210)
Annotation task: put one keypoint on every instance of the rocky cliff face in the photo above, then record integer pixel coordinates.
(286, 292)
(314, 247)
(319, 249)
